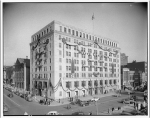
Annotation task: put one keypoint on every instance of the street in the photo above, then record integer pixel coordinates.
(18, 106)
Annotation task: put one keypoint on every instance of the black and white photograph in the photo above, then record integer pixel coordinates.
(74, 58)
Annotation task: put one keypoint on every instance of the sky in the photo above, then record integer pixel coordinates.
(126, 23)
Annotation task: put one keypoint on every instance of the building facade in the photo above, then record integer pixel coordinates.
(124, 59)
(125, 77)
(22, 74)
(68, 62)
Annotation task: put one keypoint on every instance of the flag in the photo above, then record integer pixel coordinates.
(93, 17)
(72, 66)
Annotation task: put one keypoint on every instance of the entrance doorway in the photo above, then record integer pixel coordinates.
(68, 94)
(76, 93)
(83, 92)
(90, 91)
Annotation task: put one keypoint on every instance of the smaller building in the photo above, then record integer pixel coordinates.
(22, 74)
(124, 59)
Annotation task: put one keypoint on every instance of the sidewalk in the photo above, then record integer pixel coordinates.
(66, 101)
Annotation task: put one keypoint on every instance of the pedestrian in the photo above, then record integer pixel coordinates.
(90, 113)
(112, 109)
(144, 104)
(59, 100)
(134, 104)
(119, 108)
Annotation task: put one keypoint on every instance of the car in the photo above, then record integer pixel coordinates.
(128, 101)
(84, 103)
(80, 113)
(21, 95)
(5, 108)
(117, 95)
(95, 99)
(10, 95)
(52, 113)
(145, 93)
(29, 99)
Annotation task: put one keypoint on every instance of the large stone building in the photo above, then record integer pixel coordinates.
(67, 62)
(22, 74)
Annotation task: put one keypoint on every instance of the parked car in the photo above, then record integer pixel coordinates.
(29, 99)
(80, 113)
(95, 99)
(84, 103)
(117, 95)
(21, 95)
(5, 108)
(10, 95)
(52, 113)
(128, 101)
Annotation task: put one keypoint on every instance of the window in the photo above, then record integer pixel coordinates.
(76, 33)
(66, 60)
(80, 34)
(72, 32)
(83, 35)
(69, 31)
(87, 36)
(60, 75)
(49, 52)
(50, 68)
(60, 45)
(65, 30)
(50, 60)
(59, 37)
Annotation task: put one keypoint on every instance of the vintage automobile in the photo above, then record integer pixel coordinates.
(95, 99)
(84, 103)
(10, 95)
(5, 108)
(80, 113)
(127, 101)
(52, 113)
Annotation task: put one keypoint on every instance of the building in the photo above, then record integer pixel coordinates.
(4, 74)
(125, 80)
(9, 74)
(124, 59)
(139, 67)
(22, 74)
(69, 62)
(131, 74)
